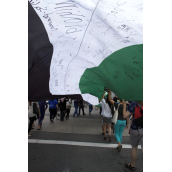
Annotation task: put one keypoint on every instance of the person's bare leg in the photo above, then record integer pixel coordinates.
(109, 129)
(133, 156)
(104, 127)
(119, 144)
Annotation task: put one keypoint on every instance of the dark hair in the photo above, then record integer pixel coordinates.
(115, 99)
(110, 105)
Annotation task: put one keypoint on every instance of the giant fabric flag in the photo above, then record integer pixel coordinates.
(79, 47)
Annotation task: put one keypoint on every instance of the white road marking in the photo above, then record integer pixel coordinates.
(59, 142)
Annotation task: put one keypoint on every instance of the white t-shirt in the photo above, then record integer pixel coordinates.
(106, 109)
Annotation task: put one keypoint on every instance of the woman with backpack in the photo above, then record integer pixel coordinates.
(108, 111)
(120, 123)
(136, 129)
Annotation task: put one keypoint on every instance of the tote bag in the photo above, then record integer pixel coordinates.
(115, 117)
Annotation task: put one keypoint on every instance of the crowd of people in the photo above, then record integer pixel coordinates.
(114, 112)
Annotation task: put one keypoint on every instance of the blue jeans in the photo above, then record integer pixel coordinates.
(76, 108)
(90, 108)
(119, 128)
(41, 118)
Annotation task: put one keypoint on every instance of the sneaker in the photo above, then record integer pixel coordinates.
(89, 113)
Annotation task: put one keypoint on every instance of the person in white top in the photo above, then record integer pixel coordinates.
(68, 107)
(108, 110)
(32, 116)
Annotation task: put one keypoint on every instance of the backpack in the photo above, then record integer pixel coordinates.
(138, 115)
(52, 105)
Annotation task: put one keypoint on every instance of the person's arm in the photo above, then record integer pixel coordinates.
(125, 113)
(102, 97)
(109, 97)
(57, 106)
(38, 108)
(127, 122)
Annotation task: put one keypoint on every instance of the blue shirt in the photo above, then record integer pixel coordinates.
(52, 104)
(131, 109)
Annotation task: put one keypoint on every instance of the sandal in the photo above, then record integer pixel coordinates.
(104, 138)
(120, 147)
(128, 165)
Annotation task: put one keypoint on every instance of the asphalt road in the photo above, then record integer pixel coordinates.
(68, 158)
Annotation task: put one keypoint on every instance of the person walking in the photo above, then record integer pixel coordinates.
(68, 107)
(76, 107)
(121, 122)
(81, 106)
(136, 129)
(32, 116)
(108, 112)
(63, 107)
(90, 108)
(53, 106)
(42, 106)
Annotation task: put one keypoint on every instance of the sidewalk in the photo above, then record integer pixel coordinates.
(88, 124)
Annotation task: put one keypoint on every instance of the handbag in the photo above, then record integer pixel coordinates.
(115, 117)
(68, 107)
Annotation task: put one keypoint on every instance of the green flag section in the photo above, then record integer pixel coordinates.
(122, 72)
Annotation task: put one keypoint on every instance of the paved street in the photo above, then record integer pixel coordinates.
(76, 145)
